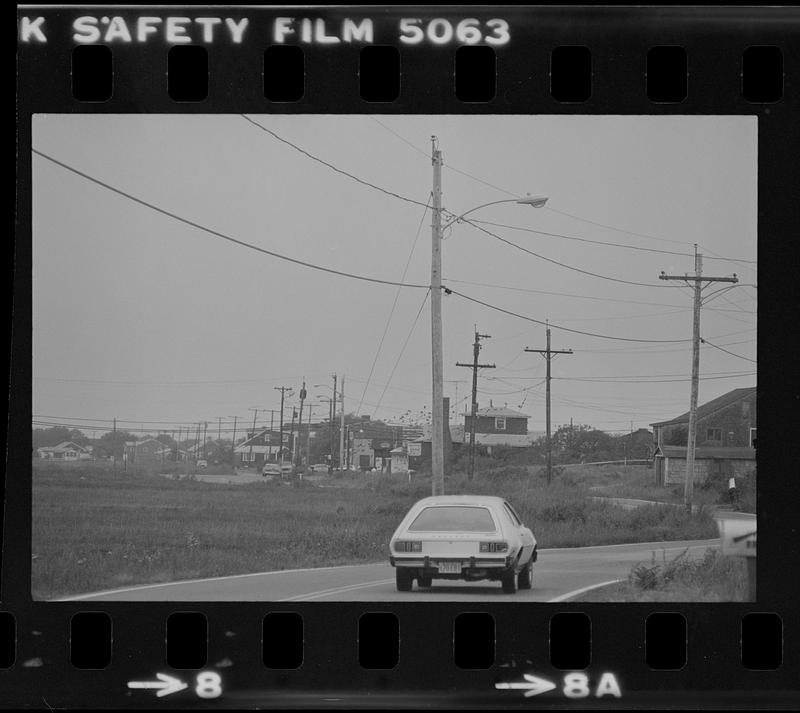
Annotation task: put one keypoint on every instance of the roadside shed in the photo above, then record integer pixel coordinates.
(670, 463)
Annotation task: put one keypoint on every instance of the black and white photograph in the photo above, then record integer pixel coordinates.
(423, 358)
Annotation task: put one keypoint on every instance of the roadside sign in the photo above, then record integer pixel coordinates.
(415, 450)
(738, 536)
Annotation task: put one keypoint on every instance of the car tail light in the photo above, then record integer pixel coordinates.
(408, 546)
(494, 547)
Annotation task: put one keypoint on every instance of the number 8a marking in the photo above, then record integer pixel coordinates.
(209, 685)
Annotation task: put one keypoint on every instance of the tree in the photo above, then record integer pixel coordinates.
(582, 442)
(112, 443)
(47, 437)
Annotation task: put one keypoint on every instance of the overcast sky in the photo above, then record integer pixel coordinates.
(140, 317)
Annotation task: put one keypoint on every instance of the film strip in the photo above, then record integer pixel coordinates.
(115, 99)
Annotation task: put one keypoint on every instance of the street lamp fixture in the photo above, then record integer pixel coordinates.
(533, 201)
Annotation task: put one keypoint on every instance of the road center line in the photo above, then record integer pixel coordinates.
(335, 590)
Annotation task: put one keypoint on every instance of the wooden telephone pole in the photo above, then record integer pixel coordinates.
(698, 280)
(283, 390)
(437, 362)
(476, 347)
(548, 355)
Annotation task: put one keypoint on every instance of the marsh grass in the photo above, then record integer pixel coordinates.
(94, 530)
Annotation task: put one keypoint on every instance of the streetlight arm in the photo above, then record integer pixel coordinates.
(535, 201)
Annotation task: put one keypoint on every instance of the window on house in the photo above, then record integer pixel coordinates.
(714, 434)
(753, 437)
(500, 424)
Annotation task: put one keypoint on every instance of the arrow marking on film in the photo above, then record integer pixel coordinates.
(166, 685)
(532, 685)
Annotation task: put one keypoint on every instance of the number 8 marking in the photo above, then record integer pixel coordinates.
(208, 685)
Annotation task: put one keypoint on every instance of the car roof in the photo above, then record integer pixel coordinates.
(460, 500)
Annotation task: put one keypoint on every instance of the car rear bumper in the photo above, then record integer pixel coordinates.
(467, 563)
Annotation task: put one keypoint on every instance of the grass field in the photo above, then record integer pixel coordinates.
(93, 529)
(712, 578)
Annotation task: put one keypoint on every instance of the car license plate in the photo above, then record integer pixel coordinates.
(450, 567)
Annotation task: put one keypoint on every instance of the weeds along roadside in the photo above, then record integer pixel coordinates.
(93, 529)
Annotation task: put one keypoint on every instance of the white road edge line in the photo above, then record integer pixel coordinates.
(576, 592)
(105, 592)
(206, 579)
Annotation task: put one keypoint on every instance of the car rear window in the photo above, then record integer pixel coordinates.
(453, 518)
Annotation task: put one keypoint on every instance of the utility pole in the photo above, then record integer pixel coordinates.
(233, 444)
(548, 354)
(476, 347)
(698, 280)
(250, 456)
(437, 359)
(271, 431)
(333, 419)
(205, 429)
(292, 436)
(283, 390)
(114, 446)
(300, 423)
(308, 433)
(341, 429)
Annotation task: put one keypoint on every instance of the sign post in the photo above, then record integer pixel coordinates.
(738, 539)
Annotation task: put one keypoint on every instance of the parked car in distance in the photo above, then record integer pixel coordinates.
(319, 468)
(271, 469)
(468, 537)
(202, 463)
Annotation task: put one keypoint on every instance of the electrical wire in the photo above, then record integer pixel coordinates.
(218, 234)
(402, 351)
(739, 356)
(394, 304)
(583, 240)
(330, 165)
(565, 329)
(562, 264)
(561, 294)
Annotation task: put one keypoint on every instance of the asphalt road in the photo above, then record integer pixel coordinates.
(559, 574)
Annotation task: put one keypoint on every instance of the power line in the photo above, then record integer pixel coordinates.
(394, 304)
(612, 227)
(565, 329)
(402, 351)
(559, 294)
(705, 341)
(218, 234)
(583, 240)
(402, 138)
(330, 165)
(562, 264)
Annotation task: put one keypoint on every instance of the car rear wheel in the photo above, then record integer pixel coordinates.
(509, 581)
(424, 581)
(525, 577)
(403, 579)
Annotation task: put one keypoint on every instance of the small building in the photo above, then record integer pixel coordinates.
(727, 421)
(148, 451)
(64, 451)
(399, 460)
(262, 447)
(709, 463)
(498, 426)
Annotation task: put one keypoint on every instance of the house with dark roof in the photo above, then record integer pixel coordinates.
(726, 439)
(727, 421)
(498, 426)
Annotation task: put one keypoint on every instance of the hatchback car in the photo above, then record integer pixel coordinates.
(468, 537)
